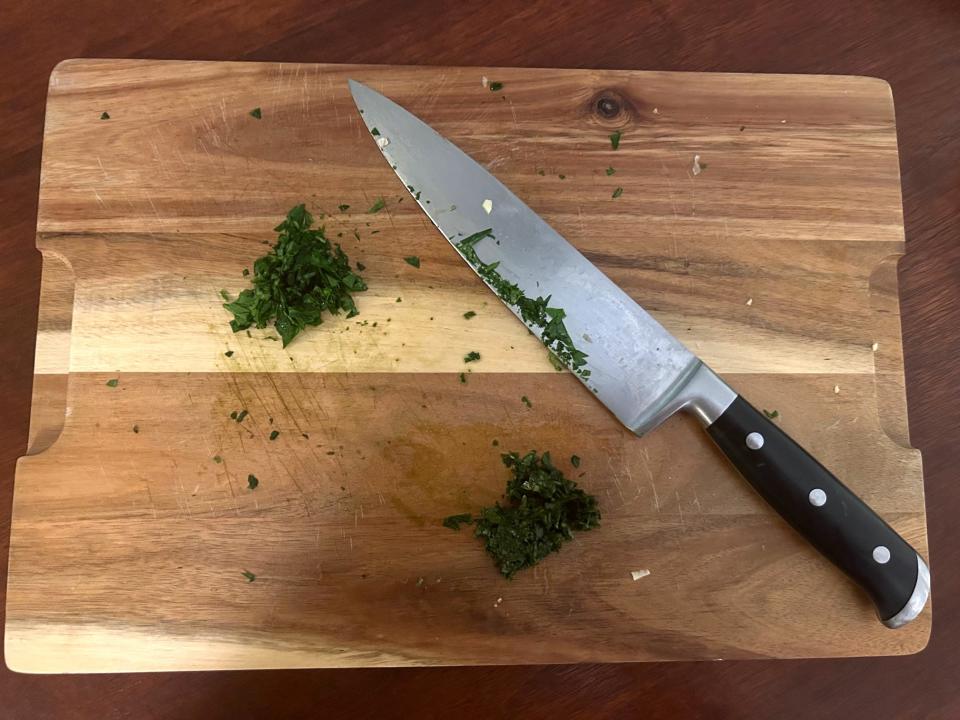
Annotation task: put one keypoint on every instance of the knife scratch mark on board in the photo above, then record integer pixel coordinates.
(683, 525)
(656, 498)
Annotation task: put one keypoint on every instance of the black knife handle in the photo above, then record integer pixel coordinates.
(822, 509)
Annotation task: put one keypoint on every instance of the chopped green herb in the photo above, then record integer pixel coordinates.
(412, 260)
(463, 378)
(618, 192)
(562, 176)
(555, 361)
(225, 295)
(229, 353)
(535, 313)
(249, 576)
(343, 207)
(772, 414)
(246, 272)
(399, 300)
(454, 521)
(541, 171)
(104, 115)
(615, 139)
(495, 442)
(575, 460)
(256, 113)
(471, 356)
(496, 86)
(356, 233)
(301, 276)
(233, 415)
(379, 205)
(113, 382)
(274, 434)
(252, 481)
(543, 509)
(136, 428)
(469, 314)
(217, 459)
(240, 416)
(610, 170)
(361, 267)
(526, 401)
(374, 132)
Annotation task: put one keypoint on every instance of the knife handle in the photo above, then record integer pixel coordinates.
(822, 509)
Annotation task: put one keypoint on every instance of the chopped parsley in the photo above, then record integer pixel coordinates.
(618, 192)
(412, 260)
(225, 295)
(301, 276)
(360, 266)
(229, 353)
(496, 86)
(256, 113)
(463, 378)
(535, 313)
(541, 171)
(274, 434)
(136, 428)
(471, 356)
(104, 115)
(543, 509)
(555, 361)
(575, 460)
(615, 139)
(772, 414)
(526, 401)
(252, 481)
(343, 207)
(610, 171)
(379, 205)
(455, 521)
(469, 314)
(113, 382)
(240, 416)
(217, 459)
(245, 272)
(249, 576)
(374, 132)
(562, 176)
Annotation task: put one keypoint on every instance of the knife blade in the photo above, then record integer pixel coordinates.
(637, 368)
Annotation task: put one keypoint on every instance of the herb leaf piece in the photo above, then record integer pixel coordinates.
(256, 113)
(379, 205)
(252, 481)
(772, 414)
(618, 192)
(615, 139)
(343, 207)
(455, 521)
(274, 434)
(471, 356)
(469, 314)
(113, 382)
(526, 401)
(249, 576)
(412, 260)
(610, 171)
(496, 86)
(575, 460)
(104, 115)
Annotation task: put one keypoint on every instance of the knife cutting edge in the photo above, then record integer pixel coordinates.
(641, 372)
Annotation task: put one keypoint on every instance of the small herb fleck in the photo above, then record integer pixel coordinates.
(374, 132)
(343, 207)
(610, 170)
(618, 192)
(463, 378)
(229, 353)
(252, 481)
(526, 401)
(496, 86)
(555, 361)
(224, 295)
(246, 272)
(217, 459)
(104, 115)
(575, 460)
(256, 112)
(562, 176)
(469, 314)
(240, 416)
(412, 260)
(471, 356)
(274, 434)
(249, 576)
(136, 428)
(361, 267)
(772, 414)
(113, 382)
(615, 139)
(455, 521)
(379, 205)
(541, 171)
(495, 442)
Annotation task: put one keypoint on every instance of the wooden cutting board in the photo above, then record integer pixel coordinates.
(132, 519)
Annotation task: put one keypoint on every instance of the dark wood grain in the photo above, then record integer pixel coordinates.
(914, 44)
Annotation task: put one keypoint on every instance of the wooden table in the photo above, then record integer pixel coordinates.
(914, 45)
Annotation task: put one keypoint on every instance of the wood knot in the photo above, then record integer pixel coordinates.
(610, 107)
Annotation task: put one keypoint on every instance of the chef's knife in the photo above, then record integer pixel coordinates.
(641, 372)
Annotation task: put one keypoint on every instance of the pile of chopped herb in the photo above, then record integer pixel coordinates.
(543, 509)
(535, 313)
(301, 276)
